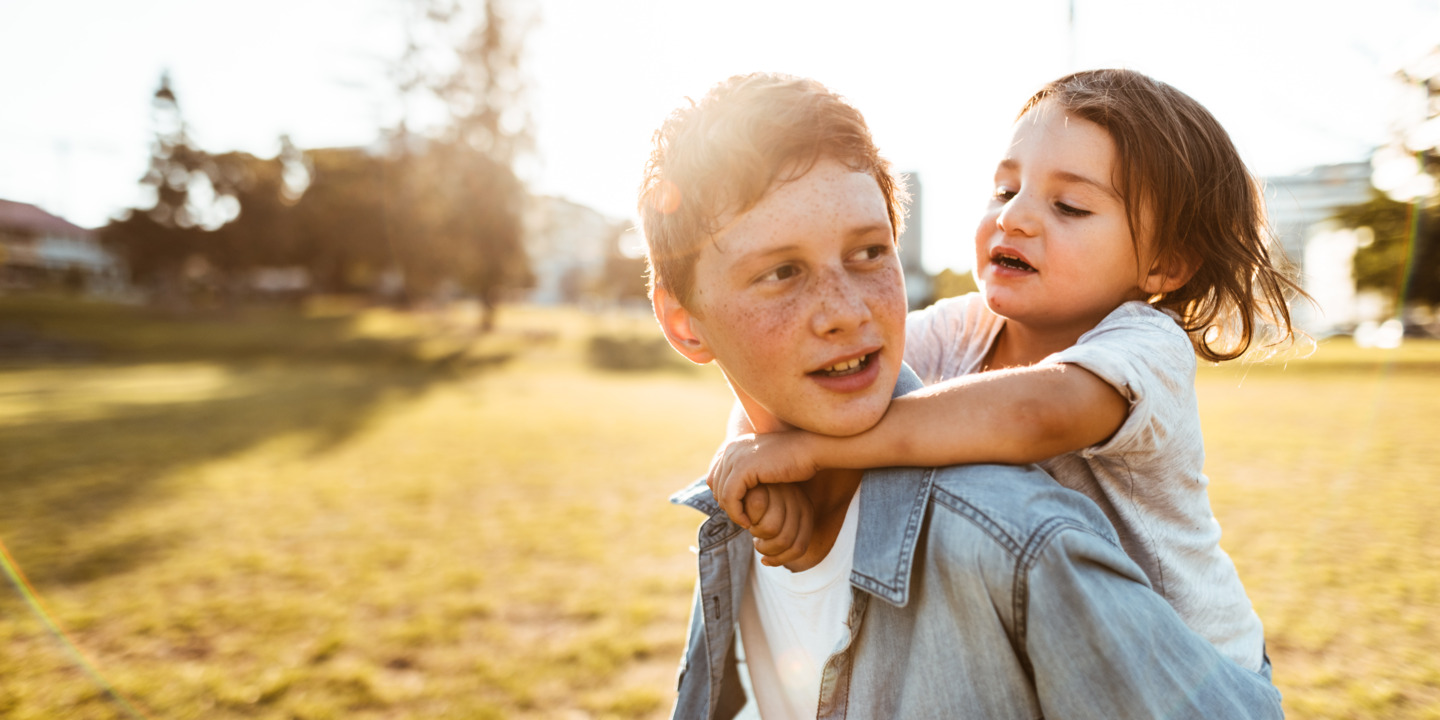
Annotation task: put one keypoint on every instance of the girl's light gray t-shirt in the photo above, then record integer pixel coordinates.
(1148, 477)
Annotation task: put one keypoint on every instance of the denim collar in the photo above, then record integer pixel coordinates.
(892, 511)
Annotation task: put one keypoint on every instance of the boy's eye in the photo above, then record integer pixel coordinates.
(1004, 194)
(1070, 210)
(784, 272)
(874, 252)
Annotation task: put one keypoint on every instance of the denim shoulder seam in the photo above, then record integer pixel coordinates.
(975, 515)
(1039, 541)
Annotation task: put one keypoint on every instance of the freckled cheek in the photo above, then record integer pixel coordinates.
(761, 328)
(885, 294)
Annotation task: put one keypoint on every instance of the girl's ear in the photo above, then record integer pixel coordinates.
(1169, 274)
(680, 327)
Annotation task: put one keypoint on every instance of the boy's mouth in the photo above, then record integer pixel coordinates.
(1012, 262)
(846, 367)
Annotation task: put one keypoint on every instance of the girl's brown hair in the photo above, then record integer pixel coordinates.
(1205, 208)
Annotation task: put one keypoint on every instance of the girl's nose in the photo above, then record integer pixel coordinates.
(1018, 216)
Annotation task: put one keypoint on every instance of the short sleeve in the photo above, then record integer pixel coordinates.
(925, 345)
(1145, 355)
(949, 338)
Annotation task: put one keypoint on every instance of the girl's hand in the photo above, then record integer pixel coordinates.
(785, 519)
(749, 460)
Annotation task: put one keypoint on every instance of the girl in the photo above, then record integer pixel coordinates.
(1124, 237)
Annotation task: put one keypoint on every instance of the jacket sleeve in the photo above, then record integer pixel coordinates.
(693, 691)
(1101, 643)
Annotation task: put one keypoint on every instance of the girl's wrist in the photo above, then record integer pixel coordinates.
(822, 451)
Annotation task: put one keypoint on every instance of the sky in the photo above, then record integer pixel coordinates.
(1297, 83)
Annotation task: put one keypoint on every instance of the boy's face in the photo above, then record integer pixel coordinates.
(801, 302)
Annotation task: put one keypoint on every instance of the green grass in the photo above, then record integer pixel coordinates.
(344, 513)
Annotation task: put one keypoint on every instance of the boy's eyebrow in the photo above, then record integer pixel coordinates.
(855, 232)
(869, 229)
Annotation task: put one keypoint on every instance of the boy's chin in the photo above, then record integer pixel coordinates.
(843, 424)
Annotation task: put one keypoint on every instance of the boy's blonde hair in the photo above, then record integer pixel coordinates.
(1207, 212)
(719, 157)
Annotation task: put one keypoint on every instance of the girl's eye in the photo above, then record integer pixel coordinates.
(1004, 194)
(1070, 210)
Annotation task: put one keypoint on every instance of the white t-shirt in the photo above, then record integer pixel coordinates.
(1148, 477)
(791, 623)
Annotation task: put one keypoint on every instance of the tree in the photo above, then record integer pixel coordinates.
(440, 208)
(1403, 260)
(1397, 229)
(952, 284)
(165, 243)
(459, 209)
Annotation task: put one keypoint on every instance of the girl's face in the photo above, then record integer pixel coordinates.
(1054, 251)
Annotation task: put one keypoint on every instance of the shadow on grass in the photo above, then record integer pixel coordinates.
(64, 476)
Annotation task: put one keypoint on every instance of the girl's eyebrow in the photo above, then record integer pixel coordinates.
(1012, 165)
(1067, 176)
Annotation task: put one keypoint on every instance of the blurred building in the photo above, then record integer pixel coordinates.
(38, 249)
(919, 288)
(568, 244)
(1300, 208)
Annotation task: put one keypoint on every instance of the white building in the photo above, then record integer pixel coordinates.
(918, 284)
(1300, 208)
(568, 244)
(37, 248)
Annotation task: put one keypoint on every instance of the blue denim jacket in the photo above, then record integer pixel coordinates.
(979, 591)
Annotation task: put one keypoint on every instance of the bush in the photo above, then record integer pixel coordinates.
(629, 352)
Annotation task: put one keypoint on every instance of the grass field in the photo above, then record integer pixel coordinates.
(344, 513)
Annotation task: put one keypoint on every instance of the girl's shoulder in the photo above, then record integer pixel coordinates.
(1144, 334)
(1137, 316)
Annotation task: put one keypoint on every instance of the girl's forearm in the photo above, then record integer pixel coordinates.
(1013, 417)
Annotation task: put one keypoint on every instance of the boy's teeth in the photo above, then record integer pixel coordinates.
(843, 366)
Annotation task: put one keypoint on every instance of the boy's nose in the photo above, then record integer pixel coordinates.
(841, 307)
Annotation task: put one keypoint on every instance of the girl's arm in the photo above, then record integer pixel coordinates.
(1014, 416)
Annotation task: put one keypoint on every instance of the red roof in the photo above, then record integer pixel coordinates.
(31, 220)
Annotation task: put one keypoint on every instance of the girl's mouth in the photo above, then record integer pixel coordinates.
(847, 367)
(1012, 262)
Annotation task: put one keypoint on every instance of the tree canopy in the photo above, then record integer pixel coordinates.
(437, 208)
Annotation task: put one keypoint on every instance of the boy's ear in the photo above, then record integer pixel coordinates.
(679, 327)
(1169, 274)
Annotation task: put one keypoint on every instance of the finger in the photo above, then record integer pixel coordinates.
(797, 549)
(783, 537)
(769, 516)
(717, 465)
(786, 556)
(733, 503)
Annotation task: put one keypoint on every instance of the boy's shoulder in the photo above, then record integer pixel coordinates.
(1014, 505)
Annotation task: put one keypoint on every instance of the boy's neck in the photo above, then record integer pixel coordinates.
(830, 492)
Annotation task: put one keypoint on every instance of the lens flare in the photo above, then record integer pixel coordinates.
(27, 591)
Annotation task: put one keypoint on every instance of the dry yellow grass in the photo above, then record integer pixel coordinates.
(387, 519)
